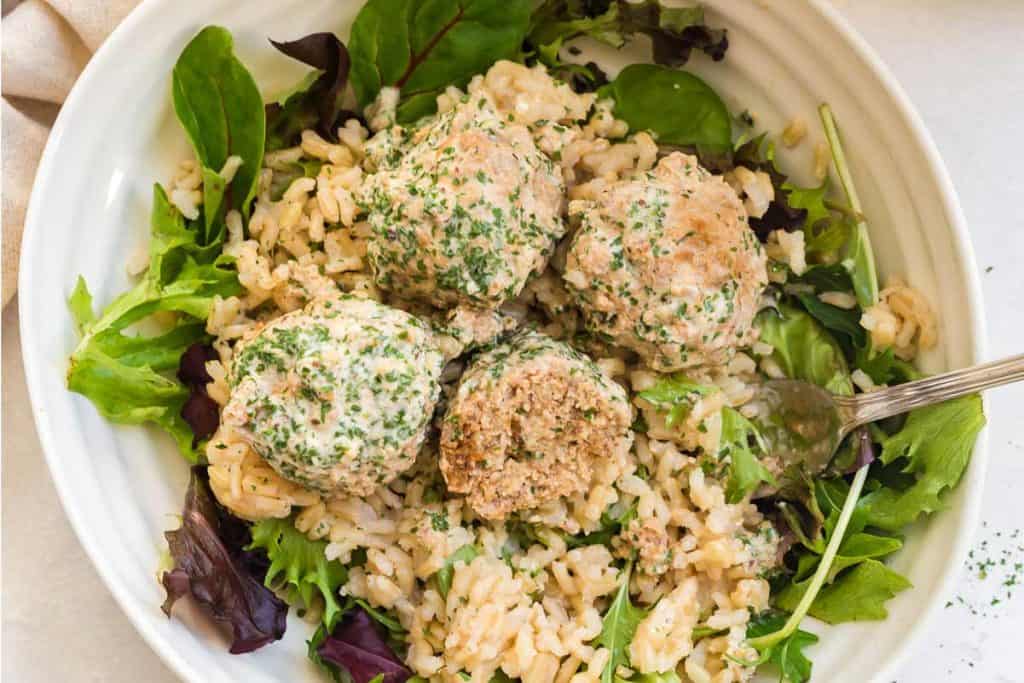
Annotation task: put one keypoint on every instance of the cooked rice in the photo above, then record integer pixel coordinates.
(532, 610)
(902, 319)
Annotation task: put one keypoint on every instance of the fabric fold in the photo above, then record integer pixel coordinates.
(46, 44)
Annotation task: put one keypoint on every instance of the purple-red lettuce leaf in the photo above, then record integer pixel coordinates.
(200, 411)
(358, 647)
(222, 583)
(317, 101)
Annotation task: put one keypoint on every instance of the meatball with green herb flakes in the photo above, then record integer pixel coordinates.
(337, 396)
(666, 264)
(464, 210)
(528, 422)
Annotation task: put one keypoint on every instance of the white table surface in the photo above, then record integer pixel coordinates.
(962, 63)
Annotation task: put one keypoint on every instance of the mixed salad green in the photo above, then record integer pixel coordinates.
(840, 527)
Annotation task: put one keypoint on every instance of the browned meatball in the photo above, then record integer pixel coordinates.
(528, 421)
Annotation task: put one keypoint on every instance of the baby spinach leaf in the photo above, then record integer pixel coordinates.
(804, 349)
(843, 322)
(935, 446)
(739, 441)
(679, 108)
(221, 110)
(423, 47)
(787, 656)
(618, 627)
(465, 554)
(300, 564)
(124, 375)
(316, 101)
(676, 395)
(859, 594)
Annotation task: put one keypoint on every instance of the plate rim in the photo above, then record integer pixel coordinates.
(974, 478)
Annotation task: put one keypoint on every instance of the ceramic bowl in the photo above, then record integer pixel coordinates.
(123, 486)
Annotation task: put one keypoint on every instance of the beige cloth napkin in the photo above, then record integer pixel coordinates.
(46, 44)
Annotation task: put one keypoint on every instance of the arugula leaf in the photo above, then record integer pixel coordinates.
(618, 627)
(676, 395)
(804, 349)
(423, 47)
(746, 472)
(465, 554)
(858, 257)
(935, 444)
(679, 108)
(788, 655)
(301, 564)
(122, 374)
(859, 594)
(825, 231)
(316, 101)
(221, 110)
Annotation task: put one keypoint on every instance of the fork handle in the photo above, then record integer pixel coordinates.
(878, 405)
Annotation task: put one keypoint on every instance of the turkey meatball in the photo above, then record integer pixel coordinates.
(665, 264)
(337, 396)
(464, 210)
(527, 423)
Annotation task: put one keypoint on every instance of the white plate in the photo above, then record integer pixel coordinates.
(116, 135)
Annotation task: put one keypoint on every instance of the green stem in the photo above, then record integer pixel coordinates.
(761, 643)
(865, 275)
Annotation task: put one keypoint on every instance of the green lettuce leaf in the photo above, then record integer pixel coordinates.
(844, 323)
(935, 445)
(739, 442)
(126, 376)
(301, 564)
(423, 47)
(804, 349)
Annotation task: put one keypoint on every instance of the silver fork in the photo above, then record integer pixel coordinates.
(807, 423)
